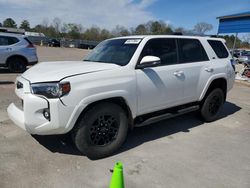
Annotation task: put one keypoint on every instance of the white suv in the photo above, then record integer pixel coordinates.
(16, 52)
(123, 83)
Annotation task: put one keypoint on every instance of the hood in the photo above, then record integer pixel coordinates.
(57, 70)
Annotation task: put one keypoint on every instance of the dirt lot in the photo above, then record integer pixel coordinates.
(180, 152)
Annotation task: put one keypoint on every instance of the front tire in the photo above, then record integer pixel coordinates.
(212, 105)
(101, 130)
(17, 65)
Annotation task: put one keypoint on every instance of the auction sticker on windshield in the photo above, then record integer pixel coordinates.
(132, 41)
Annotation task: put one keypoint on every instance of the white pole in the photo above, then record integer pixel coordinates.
(236, 35)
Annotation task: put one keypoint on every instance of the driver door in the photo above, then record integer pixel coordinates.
(162, 86)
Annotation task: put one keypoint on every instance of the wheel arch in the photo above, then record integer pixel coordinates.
(219, 82)
(116, 100)
(16, 56)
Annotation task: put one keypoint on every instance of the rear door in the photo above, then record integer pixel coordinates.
(4, 51)
(6, 47)
(196, 67)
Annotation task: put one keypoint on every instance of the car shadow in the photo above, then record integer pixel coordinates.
(4, 71)
(58, 143)
(6, 82)
(171, 126)
(63, 143)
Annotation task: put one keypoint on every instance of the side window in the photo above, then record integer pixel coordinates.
(3, 41)
(12, 40)
(191, 50)
(219, 49)
(165, 49)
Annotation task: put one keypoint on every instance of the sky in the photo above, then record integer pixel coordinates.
(129, 13)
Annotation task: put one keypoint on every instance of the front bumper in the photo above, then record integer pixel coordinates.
(31, 117)
(16, 115)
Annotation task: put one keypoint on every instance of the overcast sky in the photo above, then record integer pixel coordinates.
(128, 13)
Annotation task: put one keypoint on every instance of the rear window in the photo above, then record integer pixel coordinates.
(191, 50)
(219, 48)
(5, 41)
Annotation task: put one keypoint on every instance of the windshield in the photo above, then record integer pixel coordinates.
(117, 51)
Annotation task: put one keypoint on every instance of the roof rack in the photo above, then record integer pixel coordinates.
(12, 30)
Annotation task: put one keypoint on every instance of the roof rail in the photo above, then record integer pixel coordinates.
(214, 36)
(177, 33)
(12, 30)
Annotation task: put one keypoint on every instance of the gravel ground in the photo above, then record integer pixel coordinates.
(180, 152)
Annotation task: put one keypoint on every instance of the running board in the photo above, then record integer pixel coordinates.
(167, 116)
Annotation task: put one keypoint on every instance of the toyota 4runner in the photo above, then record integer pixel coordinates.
(123, 83)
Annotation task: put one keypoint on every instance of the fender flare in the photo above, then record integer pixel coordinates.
(210, 80)
(99, 97)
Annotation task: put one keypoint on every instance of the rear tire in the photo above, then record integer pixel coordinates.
(212, 105)
(17, 65)
(101, 130)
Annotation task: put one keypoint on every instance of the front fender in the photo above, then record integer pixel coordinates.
(98, 97)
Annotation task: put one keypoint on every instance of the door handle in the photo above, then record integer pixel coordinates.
(178, 73)
(8, 49)
(209, 69)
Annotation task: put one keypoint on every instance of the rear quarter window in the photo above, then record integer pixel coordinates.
(219, 48)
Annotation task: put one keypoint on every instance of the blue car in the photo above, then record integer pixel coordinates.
(16, 52)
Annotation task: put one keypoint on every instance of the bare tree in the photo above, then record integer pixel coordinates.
(57, 24)
(141, 30)
(246, 37)
(120, 31)
(45, 22)
(202, 28)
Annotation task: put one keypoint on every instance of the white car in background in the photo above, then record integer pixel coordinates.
(123, 83)
(245, 57)
(242, 59)
(16, 52)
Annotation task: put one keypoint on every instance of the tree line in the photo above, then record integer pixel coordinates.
(57, 29)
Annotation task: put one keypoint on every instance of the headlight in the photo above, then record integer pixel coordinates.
(51, 90)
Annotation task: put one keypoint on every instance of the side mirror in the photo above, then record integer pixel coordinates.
(149, 61)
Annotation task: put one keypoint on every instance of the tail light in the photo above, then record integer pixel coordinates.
(30, 46)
